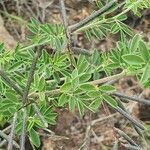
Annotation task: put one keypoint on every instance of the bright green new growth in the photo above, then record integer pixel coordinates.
(56, 83)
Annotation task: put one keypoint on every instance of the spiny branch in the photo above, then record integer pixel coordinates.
(18, 90)
(127, 116)
(136, 99)
(23, 133)
(121, 133)
(3, 135)
(25, 96)
(9, 82)
(67, 33)
(30, 76)
(101, 11)
(137, 129)
(10, 144)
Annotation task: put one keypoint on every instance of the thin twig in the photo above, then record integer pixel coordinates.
(92, 16)
(10, 143)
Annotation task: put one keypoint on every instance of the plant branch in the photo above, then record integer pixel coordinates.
(101, 11)
(109, 78)
(10, 143)
(25, 96)
(137, 129)
(125, 136)
(30, 76)
(127, 116)
(18, 90)
(23, 133)
(67, 33)
(136, 99)
(9, 82)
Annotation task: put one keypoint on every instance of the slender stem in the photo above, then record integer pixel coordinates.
(136, 99)
(92, 16)
(10, 144)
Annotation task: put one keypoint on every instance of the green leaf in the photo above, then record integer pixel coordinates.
(115, 29)
(30, 125)
(42, 83)
(94, 94)
(72, 103)
(87, 87)
(75, 83)
(96, 104)
(80, 107)
(74, 73)
(134, 43)
(1, 47)
(34, 137)
(66, 87)
(82, 67)
(133, 59)
(36, 80)
(144, 51)
(85, 77)
(11, 96)
(62, 100)
(146, 74)
(56, 77)
(112, 102)
(107, 88)
(15, 66)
